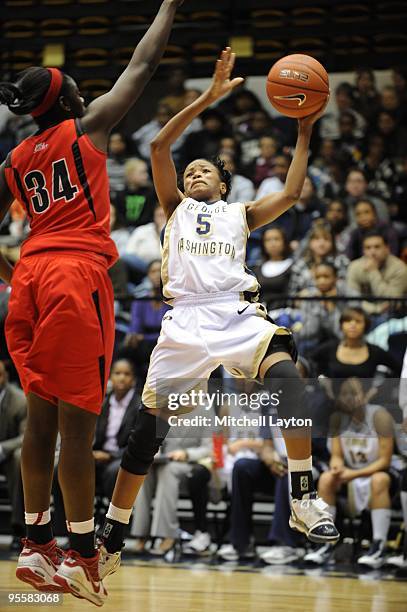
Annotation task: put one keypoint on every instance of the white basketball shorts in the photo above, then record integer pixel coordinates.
(201, 333)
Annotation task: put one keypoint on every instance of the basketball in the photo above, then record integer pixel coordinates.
(297, 85)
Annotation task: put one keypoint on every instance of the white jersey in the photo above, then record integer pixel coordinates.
(204, 250)
(360, 441)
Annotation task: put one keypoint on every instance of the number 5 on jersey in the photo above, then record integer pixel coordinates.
(62, 188)
(203, 226)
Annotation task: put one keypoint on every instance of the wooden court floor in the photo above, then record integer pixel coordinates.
(138, 588)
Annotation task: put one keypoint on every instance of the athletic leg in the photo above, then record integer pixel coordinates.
(40, 557)
(380, 506)
(309, 514)
(79, 572)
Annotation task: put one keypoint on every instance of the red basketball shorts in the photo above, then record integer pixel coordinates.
(60, 327)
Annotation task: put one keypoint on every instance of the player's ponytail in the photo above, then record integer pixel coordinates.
(10, 95)
(34, 92)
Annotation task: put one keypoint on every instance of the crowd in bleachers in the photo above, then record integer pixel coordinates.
(333, 268)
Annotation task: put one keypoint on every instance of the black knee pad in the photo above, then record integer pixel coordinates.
(287, 390)
(144, 442)
(404, 480)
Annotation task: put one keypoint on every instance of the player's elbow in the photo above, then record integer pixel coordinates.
(156, 145)
(292, 195)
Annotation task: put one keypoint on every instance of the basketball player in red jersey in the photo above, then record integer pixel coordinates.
(60, 325)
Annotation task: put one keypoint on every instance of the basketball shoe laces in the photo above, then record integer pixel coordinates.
(91, 568)
(317, 503)
(50, 550)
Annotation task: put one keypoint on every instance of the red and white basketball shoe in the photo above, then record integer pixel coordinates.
(38, 564)
(80, 577)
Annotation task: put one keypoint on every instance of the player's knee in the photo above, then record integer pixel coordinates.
(380, 482)
(287, 392)
(404, 480)
(144, 442)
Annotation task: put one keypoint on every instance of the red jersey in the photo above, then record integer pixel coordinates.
(61, 179)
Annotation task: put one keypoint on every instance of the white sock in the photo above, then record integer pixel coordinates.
(37, 518)
(332, 511)
(381, 523)
(300, 465)
(81, 527)
(121, 515)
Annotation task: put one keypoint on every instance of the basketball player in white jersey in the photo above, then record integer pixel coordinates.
(361, 456)
(214, 321)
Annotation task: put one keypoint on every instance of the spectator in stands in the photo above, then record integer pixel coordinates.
(117, 155)
(344, 101)
(145, 322)
(273, 273)
(320, 320)
(399, 77)
(320, 169)
(380, 172)
(175, 89)
(394, 134)
(117, 418)
(277, 181)
(259, 125)
(390, 102)
(144, 135)
(348, 146)
(242, 188)
(205, 142)
(135, 203)
(367, 220)
(361, 451)
(298, 219)
(356, 188)
(118, 230)
(144, 245)
(13, 414)
(320, 247)
(173, 465)
(337, 218)
(352, 356)
(377, 273)
(198, 491)
(240, 107)
(263, 166)
(365, 93)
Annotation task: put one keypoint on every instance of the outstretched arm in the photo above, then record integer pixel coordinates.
(164, 173)
(107, 110)
(270, 207)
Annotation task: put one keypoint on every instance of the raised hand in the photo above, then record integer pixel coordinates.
(221, 83)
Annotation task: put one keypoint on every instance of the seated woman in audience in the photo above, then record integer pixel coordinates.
(145, 323)
(352, 356)
(321, 247)
(366, 219)
(273, 273)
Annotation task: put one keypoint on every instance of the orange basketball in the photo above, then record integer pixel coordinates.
(297, 85)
